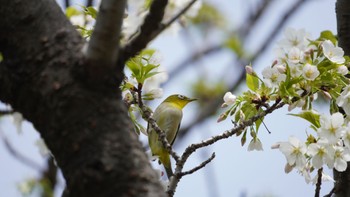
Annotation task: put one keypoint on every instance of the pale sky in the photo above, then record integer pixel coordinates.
(237, 172)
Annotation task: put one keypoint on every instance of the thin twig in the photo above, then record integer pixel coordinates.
(66, 3)
(6, 112)
(200, 166)
(89, 3)
(226, 134)
(177, 16)
(319, 182)
(19, 156)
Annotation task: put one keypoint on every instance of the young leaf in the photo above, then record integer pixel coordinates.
(328, 35)
(311, 116)
(252, 82)
(72, 11)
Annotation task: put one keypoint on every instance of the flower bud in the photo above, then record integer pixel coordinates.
(249, 70)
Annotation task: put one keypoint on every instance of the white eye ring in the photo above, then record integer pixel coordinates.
(181, 96)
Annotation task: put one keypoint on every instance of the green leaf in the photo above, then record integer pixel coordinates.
(72, 11)
(310, 116)
(252, 82)
(248, 110)
(134, 67)
(147, 53)
(149, 67)
(328, 35)
(258, 123)
(147, 4)
(151, 74)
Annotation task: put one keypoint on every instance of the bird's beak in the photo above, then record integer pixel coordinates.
(194, 99)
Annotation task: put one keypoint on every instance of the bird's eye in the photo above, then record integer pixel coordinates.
(181, 96)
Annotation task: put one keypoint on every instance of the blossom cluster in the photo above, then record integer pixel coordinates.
(330, 148)
(134, 16)
(303, 69)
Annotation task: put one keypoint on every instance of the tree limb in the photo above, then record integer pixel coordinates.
(147, 30)
(104, 43)
(86, 129)
(319, 182)
(342, 9)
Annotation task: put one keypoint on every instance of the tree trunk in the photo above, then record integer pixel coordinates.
(80, 116)
(342, 184)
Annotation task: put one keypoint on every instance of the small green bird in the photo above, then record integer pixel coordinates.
(168, 116)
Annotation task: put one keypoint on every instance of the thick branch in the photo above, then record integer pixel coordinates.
(147, 31)
(104, 43)
(86, 129)
(342, 8)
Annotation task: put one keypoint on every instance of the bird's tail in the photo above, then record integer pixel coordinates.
(165, 159)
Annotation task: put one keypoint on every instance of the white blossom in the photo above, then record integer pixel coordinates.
(294, 38)
(295, 70)
(331, 128)
(255, 144)
(229, 98)
(152, 84)
(272, 77)
(320, 153)
(294, 150)
(305, 172)
(346, 137)
(78, 20)
(341, 157)
(295, 55)
(333, 53)
(298, 103)
(342, 70)
(310, 72)
(325, 177)
(344, 100)
(281, 68)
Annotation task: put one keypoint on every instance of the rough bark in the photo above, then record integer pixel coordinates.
(342, 185)
(81, 118)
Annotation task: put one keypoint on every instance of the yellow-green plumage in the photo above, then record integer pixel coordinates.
(168, 116)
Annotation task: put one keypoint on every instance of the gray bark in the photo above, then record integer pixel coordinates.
(342, 184)
(81, 117)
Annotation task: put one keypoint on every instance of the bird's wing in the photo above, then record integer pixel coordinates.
(172, 142)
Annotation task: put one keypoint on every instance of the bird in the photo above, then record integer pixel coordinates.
(168, 117)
